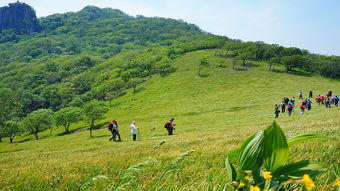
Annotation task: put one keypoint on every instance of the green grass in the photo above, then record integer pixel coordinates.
(213, 114)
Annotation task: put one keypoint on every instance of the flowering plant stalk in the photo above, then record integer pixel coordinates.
(262, 161)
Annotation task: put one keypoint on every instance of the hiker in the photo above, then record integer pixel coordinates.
(318, 100)
(322, 99)
(300, 95)
(292, 101)
(327, 103)
(115, 126)
(112, 130)
(283, 107)
(310, 94)
(336, 101)
(309, 104)
(286, 100)
(277, 110)
(170, 126)
(290, 109)
(133, 130)
(302, 107)
(329, 93)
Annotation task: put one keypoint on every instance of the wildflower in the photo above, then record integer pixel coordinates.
(254, 188)
(308, 182)
(242, 185)
(267, 175)
(337, 182)
(247, 178)
(235, 183)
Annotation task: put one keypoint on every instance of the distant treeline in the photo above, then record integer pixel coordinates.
(328, 66)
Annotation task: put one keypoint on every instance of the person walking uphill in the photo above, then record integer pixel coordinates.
(290, 109)
(336, 101)
(133, 130)
(300, 95)
(170, 126)
(277, 111)
(111, 128)
(310, 94)
(115, 126)
(283, 107)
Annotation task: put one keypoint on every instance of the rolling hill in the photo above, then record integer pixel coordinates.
(213, 115)
(149, 70)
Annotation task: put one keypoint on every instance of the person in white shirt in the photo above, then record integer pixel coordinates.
(133, 130)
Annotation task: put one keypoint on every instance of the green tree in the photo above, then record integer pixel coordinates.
(93, 111)
(202, 64)
(10, 129)
(37, 121)
(66, 116)
(133, 82)
(10, 107)
(294, 61)
(247, 53)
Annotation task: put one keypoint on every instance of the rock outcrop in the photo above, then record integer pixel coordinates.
(20, 17)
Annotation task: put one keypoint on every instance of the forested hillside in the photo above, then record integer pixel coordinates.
(99, 53)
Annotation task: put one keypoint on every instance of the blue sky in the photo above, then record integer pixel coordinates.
(309, 24)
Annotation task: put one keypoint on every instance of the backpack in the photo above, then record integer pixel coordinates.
(110, 126)
(166, 125)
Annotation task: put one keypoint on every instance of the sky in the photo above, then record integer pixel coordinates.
(308, 24)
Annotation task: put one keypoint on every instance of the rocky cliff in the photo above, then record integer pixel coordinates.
(19, 16)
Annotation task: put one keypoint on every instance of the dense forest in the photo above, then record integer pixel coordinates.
(97, 54)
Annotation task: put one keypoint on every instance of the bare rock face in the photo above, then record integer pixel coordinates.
(19, 16)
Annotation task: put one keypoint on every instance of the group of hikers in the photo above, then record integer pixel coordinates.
(289, 104)
(113, 128)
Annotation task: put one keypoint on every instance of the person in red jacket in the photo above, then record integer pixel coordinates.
(170, 126)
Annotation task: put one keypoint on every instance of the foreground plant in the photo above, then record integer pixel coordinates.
(261, 163)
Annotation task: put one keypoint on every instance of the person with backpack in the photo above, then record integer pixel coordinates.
(111, 128)
(290, 109)
(169, 126)
(115, 126)
(310, 94)
(277, 110)
(302, 108)
(283, 107)
(300, 95)
(336, 101)
(134, 130)
(328, 102)
(318, 100)
(309, 104)
(292, 101)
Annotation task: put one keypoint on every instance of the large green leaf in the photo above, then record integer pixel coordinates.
(276, 150)
(307, 137)
(251, 152)
(233, 154)
(297, 170)
(230, 169)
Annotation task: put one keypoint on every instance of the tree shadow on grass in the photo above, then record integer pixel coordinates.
(294, 72)
(84, 128)
(139, 90)
(240, 69)
(22, 141)
(251, 65)
(71, 131)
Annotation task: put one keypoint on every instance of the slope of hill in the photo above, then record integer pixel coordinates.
(213, 115)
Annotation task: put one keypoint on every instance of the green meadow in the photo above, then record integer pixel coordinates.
(214, 113)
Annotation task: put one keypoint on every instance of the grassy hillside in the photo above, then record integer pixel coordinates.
(213, 114)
